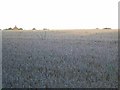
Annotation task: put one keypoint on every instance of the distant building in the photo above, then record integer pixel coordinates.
(15, 28)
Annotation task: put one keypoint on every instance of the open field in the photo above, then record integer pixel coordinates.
(45, 59)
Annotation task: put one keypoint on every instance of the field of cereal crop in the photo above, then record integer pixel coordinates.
(60, 59)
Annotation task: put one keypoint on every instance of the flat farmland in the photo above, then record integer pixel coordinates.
(60, 59)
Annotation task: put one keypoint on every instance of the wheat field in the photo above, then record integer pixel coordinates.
(60, 59)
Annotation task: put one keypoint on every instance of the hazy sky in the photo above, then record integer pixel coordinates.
(56, 14)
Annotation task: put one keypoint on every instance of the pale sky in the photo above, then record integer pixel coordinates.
(59, 14)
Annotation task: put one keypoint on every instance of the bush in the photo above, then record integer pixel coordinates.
(20, 29)
(34, 29)
(45, 29)
(106, 28)
(10, 29)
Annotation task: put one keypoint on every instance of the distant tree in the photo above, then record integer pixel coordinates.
(106, 28)
(20, 28)
(45, 29)
(34, 29)
(7, 29)
(4, 29)
(10, 28)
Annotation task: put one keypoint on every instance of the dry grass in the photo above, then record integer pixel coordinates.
(73, 58)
